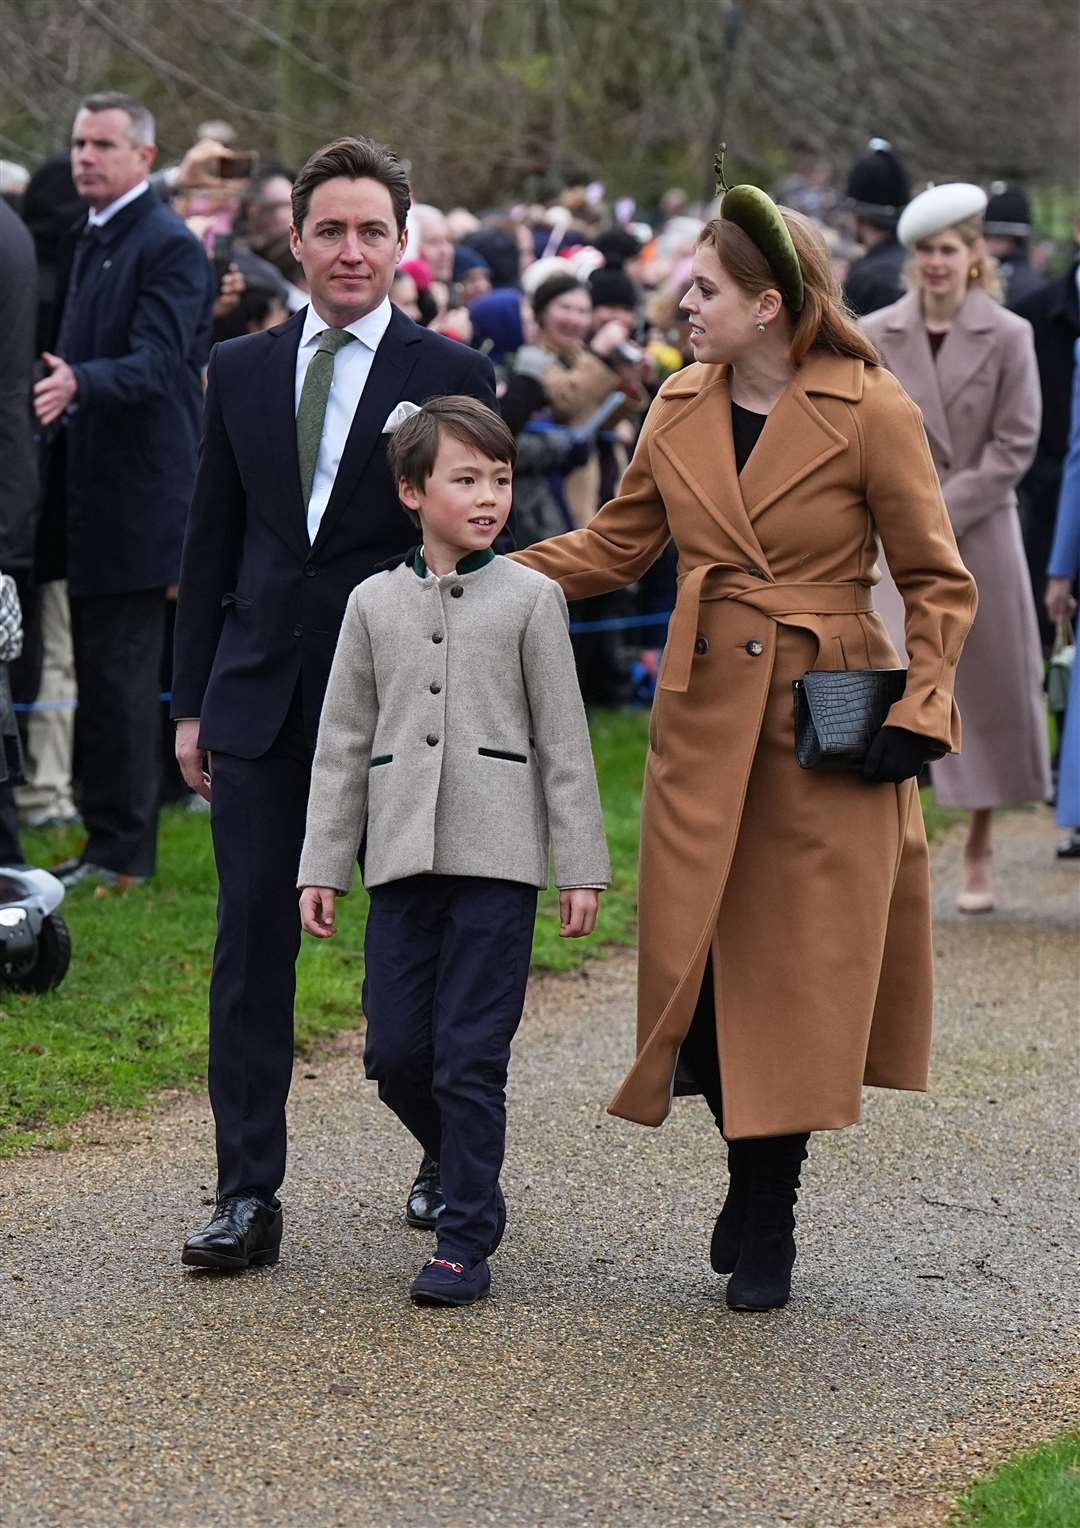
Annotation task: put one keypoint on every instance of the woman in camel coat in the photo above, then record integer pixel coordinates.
(784, 914)
(970, 366)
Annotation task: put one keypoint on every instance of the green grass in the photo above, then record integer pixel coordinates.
(130, 1018)
(1038, 1489)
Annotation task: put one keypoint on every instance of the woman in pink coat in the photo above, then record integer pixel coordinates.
(970, 366)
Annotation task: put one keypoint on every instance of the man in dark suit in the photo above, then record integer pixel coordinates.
(123, 399)
(294, 505)
(1053, 311)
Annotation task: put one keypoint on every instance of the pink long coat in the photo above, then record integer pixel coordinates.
(981, 406)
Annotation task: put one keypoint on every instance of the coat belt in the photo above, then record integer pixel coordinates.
(728, 581)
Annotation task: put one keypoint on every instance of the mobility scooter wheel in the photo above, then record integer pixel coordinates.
(52, 959)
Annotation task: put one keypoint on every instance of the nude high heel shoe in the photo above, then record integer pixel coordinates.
(978, 893)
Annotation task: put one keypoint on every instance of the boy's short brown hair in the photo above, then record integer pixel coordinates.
(414, 445)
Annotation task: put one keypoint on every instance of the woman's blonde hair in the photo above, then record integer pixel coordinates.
(824, 322)
(983, 272)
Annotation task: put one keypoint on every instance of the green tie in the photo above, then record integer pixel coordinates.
(313, 399)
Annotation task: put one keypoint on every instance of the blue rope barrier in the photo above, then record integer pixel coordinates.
(612, 623)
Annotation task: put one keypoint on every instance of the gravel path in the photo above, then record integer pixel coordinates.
(933, 1325)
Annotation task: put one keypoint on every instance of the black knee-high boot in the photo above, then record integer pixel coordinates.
(762, 1275)
(727, 1232)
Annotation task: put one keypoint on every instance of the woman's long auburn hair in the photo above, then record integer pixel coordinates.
(824, 323)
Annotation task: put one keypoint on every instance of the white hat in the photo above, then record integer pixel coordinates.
(937, 208)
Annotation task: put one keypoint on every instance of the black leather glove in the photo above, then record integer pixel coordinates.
(896, 754)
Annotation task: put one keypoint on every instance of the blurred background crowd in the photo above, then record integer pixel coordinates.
(575, 299)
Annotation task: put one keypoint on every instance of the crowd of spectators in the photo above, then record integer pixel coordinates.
(575, 301)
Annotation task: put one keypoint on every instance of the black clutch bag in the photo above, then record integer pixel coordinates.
(838, 712)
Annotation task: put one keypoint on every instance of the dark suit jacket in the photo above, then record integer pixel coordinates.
(1054, 314)
(18, 454)
(874, 281)
(137, 340)
(259, 605)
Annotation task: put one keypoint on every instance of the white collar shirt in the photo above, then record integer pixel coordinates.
(99, 219)
(352, 366)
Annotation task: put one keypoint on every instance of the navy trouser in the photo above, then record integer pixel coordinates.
(447, 962)
(258, 809)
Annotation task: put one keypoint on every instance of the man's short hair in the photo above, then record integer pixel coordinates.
(355, 159)
(414, 445)
(142, 131)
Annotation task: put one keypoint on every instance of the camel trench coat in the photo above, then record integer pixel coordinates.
(810, 889)
(981, 403)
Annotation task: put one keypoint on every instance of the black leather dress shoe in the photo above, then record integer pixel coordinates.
(244, 1233)
(425, 1202)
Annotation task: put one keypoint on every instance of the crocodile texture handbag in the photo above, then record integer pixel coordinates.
(838, 712)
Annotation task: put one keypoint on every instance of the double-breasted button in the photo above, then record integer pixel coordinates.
(755, 648)
(456, 592)
(432, 739)
(436, 636)
(435, 687)
(701, 645)
(298, 631)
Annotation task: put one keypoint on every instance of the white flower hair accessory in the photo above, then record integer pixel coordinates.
(399, 415)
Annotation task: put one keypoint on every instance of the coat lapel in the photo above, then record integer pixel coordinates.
(906, 351)
(797, 438)
(697, 443)
(968, 344)
(279, 412)
(390, 368)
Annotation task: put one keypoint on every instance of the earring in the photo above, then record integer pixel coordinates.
(975, 272)
(760, 327)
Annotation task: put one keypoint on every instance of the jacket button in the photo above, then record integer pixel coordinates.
(298, 631)
(456, 592)
(755, 648)
(432, 739)
(755, 573)
(309, 571)
(701, 645)
(435, 687)
(436, 636)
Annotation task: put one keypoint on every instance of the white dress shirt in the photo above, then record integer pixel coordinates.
(99, 219)
(352, 365)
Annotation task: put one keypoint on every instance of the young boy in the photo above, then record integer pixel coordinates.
(453, 741)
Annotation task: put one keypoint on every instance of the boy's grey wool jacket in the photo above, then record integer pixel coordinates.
(453, 728)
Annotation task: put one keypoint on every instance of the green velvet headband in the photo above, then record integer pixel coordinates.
(758, 216)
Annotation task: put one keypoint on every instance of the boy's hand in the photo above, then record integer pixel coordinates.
(317, 904)
(577, 911)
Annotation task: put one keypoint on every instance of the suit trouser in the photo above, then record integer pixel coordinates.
(117, 640)
(258, 809)
(48, 677)
(447, 962)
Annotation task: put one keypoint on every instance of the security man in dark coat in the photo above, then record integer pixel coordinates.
(878, 190)
(1053, 311)
(1007, 228)
(123, 400)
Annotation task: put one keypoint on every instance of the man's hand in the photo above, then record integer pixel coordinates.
(577, 912)
(232, 288)
(607, 339)
(194, 761)
(317, 906)
(56, 392)
(1060, 603)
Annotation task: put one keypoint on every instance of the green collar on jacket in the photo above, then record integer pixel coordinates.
(470, 564)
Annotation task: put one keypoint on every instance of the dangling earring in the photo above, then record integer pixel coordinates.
(975, 272)
(760, 326)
